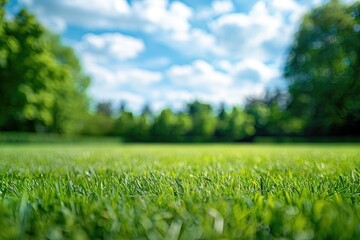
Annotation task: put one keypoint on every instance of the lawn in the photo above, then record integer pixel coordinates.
(113, 191)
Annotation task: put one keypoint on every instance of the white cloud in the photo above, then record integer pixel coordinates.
(106, 78)
(199, 80)
(139, 77)
(254, 71)
(236, 48)
(217, 7)
(231, 95)
(243, 35)
(199, 74)
(169, 97)
(195, 42)
(129, 85)
(54, 23)
(177, 98)
(134, 101)
(285, 5)
(291, 7)
(222, 6)
(224, 65)
(156, 62)
(146, 15)
(105, 6)
(111, 45)
(263, 33)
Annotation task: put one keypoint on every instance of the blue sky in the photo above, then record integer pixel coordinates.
(167, 53)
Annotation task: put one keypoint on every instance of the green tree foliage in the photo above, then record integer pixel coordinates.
(323, 70)
(124, 124)
(97, 124)
(3, 49)
(203, 119)
(141, 130)
(271, 116)
(142, 125)
(164, 126)
(234, 125)
(104, 108)
(168, 126)
(183, 125)
(101, 122)
(221, 125)
(42, 86)
(71, 105)
(240, 125)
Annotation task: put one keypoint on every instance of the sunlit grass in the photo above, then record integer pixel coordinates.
(179, 191)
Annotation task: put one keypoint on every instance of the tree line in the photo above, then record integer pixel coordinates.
(197, 122)
(43, 88)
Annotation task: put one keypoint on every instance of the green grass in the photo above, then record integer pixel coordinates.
(180, 191)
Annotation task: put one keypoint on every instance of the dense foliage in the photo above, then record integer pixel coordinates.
(198, 122)
(323, 71)
(42, 87)
(179, 192)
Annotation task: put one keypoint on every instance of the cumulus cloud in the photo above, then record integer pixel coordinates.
(199, 74)
(115, 46)
(134, 101)
(170, 22)
(146, 15)
(231, 85)
(244, 34)
(217, 7)
(54, 23)
(254, 71)
(177, 98)
(104, 57)
(240, 52)
(117, 78)
(222, 6)
(167, 21)
(130, 85)
(198, 80)
(195, 42)
(139, 77)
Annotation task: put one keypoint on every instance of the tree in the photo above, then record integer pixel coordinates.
(21, 73)
(42, 86)
(323, 70)
(71, 102)
(97, 124)
(240, 125)
(222, 122)
(270, 114)
(183, 125)
(124, 124)
(104, 108)
(141, 129)
(203, 120)
(164, 126)
(3, 50)
(147, 111)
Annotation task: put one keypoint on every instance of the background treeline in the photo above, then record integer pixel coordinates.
(43, 89)
(197, 122)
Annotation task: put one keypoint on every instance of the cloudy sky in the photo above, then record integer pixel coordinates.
(167, 52)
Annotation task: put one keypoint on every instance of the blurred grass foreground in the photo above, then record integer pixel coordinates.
(179, 191)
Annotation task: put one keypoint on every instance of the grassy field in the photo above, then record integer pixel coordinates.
(180, 191)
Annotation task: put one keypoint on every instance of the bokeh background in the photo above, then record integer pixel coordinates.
(222, 70)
